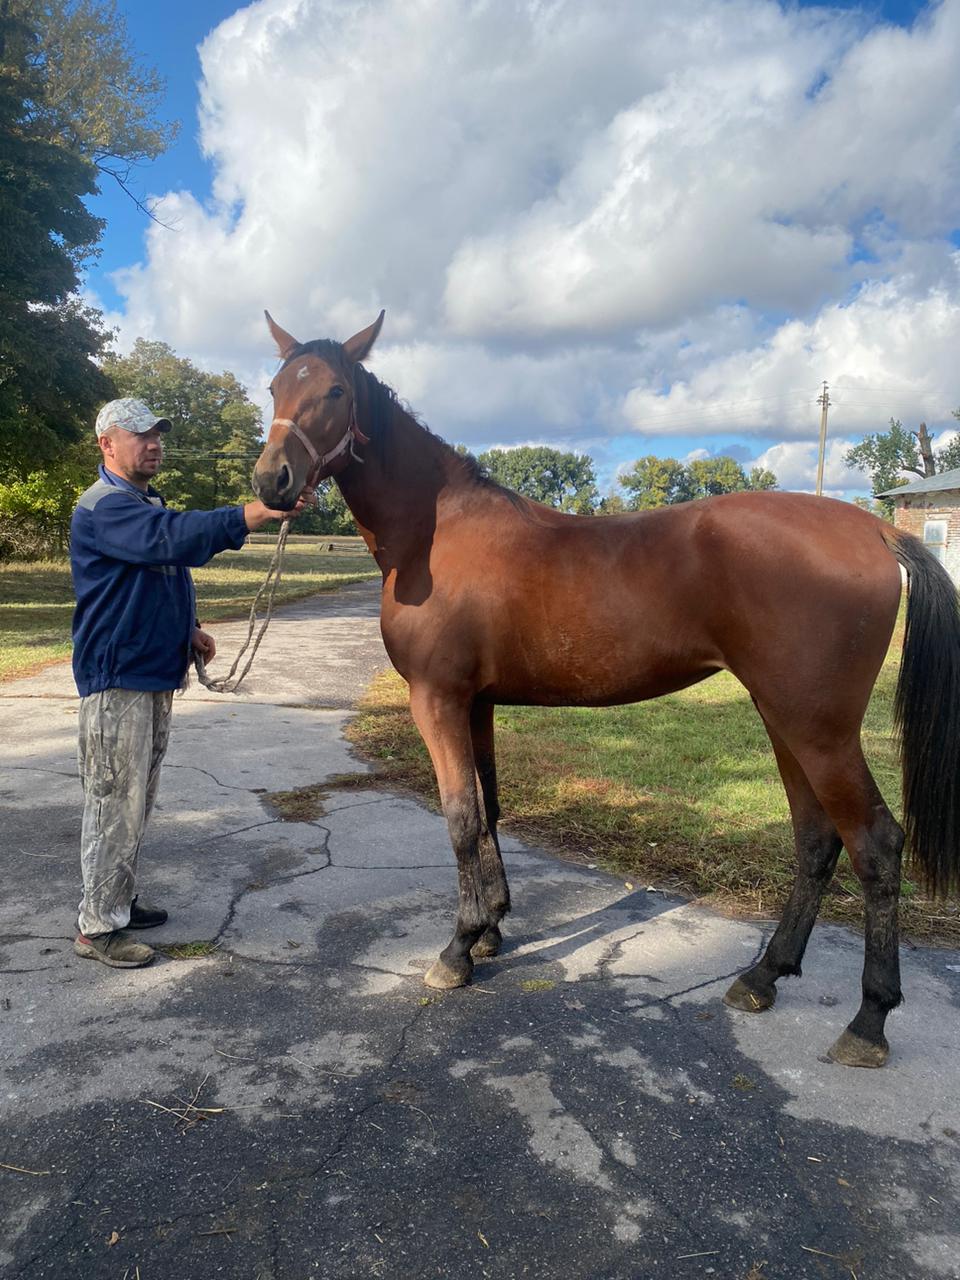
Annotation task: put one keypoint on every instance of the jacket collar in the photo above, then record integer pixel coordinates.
(118, 481)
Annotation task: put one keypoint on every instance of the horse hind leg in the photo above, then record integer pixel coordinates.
(496, 892)
(874, 843)
(818, 846)
(844, 788)
(443, 722)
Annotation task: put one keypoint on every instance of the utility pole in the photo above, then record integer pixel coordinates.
(823, 400)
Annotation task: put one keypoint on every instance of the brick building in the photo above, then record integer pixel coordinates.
(930, 508)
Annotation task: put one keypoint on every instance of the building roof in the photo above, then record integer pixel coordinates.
(930, 484)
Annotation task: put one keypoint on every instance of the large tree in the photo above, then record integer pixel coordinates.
(657, 482)
(886, 455)
(215, 440)
(99, 99)
(74, 104)
(49, 382)
(562, 480)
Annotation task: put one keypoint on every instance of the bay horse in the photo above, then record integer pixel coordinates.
(491, 598)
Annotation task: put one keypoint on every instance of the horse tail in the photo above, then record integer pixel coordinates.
(927, 716)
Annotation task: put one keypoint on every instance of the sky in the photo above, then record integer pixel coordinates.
(624, 229)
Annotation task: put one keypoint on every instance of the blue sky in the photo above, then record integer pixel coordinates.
(631, 378)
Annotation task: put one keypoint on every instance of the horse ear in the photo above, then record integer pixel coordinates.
(286, 342)
(359, 346)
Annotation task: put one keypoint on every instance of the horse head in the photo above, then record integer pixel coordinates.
(314, 414)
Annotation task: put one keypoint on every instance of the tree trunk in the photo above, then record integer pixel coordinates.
(926, 450)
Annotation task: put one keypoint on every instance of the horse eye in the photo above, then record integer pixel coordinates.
(335, 393)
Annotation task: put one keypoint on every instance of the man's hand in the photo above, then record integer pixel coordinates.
(204, 644)
(257, 515)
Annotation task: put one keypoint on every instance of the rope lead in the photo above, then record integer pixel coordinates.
(227, 684)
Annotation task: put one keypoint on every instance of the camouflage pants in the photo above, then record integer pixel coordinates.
(123, 739)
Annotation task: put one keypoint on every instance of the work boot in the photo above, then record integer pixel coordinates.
(114, 949)
(145, 917)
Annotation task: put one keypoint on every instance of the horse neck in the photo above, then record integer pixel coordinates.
(393, 493)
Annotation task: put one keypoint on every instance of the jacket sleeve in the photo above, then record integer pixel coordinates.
(140, 533)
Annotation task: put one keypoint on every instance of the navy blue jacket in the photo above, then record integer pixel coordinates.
(136, 609)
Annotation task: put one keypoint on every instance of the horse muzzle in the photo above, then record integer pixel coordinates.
(275, 481)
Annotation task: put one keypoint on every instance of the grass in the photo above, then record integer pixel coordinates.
(37, 597)
(681, 792)
(187, 950)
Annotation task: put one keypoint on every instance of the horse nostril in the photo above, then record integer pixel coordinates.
(283, 479)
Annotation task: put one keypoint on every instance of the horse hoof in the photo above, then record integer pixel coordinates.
(853, 1051)
(442, 978)
(744, 998)
(488, 944)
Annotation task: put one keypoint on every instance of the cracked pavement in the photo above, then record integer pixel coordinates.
(587, 1108)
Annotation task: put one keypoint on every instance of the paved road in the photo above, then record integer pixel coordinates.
(588, 1108)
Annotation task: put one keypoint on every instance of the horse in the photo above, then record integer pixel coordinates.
(491, 598)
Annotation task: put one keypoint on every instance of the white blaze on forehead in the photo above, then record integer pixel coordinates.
(303, 372)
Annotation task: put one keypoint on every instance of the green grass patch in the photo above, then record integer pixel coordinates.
(682, 791)
(307, 804)
(187, 950)
(37, 608)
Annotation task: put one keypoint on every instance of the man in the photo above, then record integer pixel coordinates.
(133, 631)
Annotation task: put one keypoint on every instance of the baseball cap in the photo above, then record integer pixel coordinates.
(131, 415)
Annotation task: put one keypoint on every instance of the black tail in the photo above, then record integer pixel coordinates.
(927, 712)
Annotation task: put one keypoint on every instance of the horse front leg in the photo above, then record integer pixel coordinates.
(496, 892)
(444, 723)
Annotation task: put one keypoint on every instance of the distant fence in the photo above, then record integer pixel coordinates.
(339, 543)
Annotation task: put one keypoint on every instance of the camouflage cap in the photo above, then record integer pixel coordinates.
(131, 415)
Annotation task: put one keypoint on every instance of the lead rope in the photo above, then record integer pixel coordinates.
(227, 684)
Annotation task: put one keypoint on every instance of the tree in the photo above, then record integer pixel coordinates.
(655, 482)
(658, 482)
(562, 480)
(74, 104)
(949, 456)
(710, 476)
(761, 479)
(215, 440)
(611, 505)
(331, 515)
(886, 455)
(49, 383)
(99, 101)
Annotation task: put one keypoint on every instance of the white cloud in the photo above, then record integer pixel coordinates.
(887, 353)
(795, 466)
(583, 222)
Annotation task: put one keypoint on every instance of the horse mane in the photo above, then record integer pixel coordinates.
(382, 405)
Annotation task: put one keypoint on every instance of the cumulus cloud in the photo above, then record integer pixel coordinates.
(637, 218)
(795, 466)
(888, 352)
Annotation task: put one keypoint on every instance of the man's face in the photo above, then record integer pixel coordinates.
(136, 457)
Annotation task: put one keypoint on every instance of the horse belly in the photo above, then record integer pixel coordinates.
(599, 668)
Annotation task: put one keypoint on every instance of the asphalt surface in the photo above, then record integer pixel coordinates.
(587, 1108)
